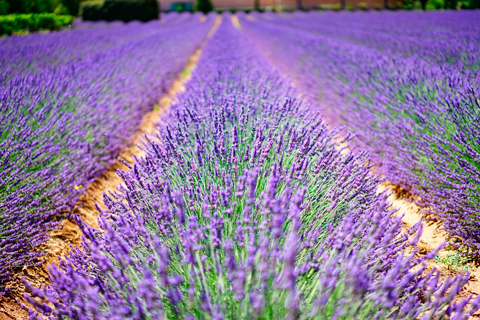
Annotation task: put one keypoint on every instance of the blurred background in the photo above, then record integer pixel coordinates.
(78, 7)
(26, 16)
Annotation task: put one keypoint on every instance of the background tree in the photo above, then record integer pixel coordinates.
(204, 6)
(73, 6)
(4, 7)
(40, 6)
(451, 4)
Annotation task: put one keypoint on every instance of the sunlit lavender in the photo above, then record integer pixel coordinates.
(69, 102)
(247, 207)
(407, 85)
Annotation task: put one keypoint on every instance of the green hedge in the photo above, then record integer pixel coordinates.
(33, 22)
(39, 6)
(91, 11)
(124, 10)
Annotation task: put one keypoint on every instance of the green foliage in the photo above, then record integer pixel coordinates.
(181, 7)
(363, 6)
(204, 6)
(350, 8)
(4, 7)
(124, 10)
(468, 4)
(66, 6)
(73, 6)
(451, 4)
(32, 22)
(61, 10)
(29, 6)
(474, 4)
(337, 7)
(435, 4)
(64, 20)
(456, 260)
(91, 10)
(39, 6)
(20, 6)
(334, 7)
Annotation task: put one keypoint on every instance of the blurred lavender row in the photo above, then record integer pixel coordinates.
(68, 103)
(407, 84)
(245, 207)
(22, 55)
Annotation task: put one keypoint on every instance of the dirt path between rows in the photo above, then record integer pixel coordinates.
(432, 237)
(69, 234)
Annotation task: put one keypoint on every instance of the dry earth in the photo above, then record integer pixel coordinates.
(432, 237)
(235, 21)
(69, 234)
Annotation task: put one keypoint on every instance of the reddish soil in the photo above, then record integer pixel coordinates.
(432, 237)
(69, 234)
(235, 21)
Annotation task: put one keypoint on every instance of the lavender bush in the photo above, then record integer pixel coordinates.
(245, 207)
(65, 113)
(407, 85)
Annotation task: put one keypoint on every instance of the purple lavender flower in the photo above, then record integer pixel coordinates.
(69, 102)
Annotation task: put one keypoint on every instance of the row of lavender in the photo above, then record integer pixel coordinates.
(68, 102)
(22, 55)
(407, 84)
(245, 207)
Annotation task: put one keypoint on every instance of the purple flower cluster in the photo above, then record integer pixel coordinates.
(245, 207)
(407, 84)
(68, 103)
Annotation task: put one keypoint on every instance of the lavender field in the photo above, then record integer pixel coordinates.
(256, 196)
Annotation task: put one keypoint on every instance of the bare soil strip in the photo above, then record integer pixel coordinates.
(432, 237)
(69, 234)
(235, 21)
